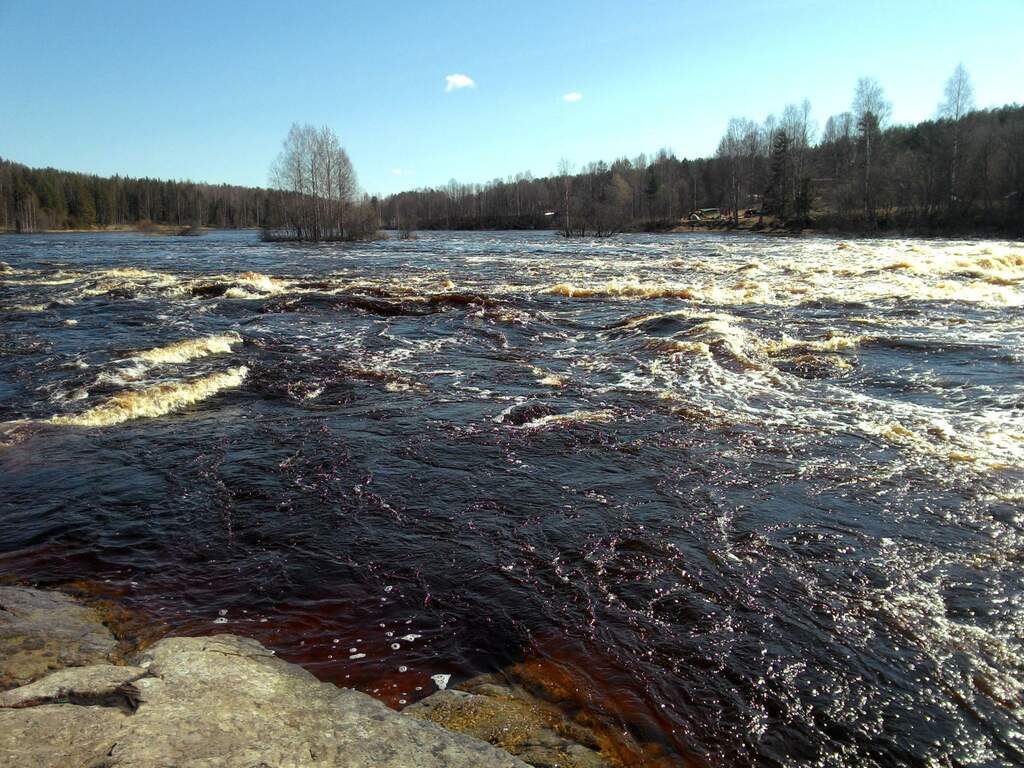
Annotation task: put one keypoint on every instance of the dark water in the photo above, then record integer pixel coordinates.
(750, 501)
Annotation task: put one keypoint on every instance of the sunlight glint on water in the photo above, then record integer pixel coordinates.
(760, 499)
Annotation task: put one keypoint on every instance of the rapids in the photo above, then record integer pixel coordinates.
(740, 500)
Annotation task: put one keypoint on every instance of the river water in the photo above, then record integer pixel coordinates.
(742, 500)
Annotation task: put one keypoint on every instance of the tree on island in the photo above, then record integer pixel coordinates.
(319, 191)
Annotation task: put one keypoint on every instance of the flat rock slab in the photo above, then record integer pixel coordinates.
(221, 702)
(104, 685)
(44, 631)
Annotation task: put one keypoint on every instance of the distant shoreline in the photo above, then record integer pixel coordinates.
(131, 229)
(745, 227)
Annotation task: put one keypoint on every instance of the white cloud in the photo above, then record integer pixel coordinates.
(403, 172)
(572, 97)
(457, 81)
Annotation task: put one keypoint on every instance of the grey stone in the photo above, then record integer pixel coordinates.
(98, 685)
(58, 736)
(43, 631)
(225, 702)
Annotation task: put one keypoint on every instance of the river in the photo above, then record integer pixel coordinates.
(751, 500)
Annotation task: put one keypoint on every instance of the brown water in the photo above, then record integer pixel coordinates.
(745, 501)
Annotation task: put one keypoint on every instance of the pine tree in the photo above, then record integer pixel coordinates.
(777, 195)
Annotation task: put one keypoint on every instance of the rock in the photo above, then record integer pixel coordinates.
(99, 685)
(219, 702)
(58, 735)
(536, 733)
(527, 412)
(43, 631)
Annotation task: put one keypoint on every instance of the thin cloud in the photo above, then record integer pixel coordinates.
(457, 81)
(403, 172)
(572, 97)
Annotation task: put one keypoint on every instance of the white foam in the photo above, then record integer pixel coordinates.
(441, 680)
(156, 400)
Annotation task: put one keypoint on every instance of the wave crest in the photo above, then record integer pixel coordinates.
(157, 400)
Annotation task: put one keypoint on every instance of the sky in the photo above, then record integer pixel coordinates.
(423, 92)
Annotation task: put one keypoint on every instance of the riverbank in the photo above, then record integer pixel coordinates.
(71, 692)
(145, 228)
(840, 228)
(752, 225)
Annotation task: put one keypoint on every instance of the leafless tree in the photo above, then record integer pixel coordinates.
(565, 172)
(738, 148)
(315, 170)
(958, 101)
(871, 112)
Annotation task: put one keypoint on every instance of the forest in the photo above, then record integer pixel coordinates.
(36, 199)
(961, 172)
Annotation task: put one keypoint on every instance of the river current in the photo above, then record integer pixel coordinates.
(741, 500)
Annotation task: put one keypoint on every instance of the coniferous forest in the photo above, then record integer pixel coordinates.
(34, 199)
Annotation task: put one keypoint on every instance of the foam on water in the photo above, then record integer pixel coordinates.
(190, 349)
(155, 400)
(746, 500)
(832, 342)
(573, 417)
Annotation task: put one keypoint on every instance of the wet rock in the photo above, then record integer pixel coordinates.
(220, 701)
(509, 718)
(44, 631)
(527, 412)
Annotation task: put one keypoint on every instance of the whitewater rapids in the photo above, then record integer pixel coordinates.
(734, 500)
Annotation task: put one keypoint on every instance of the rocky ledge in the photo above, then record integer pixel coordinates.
(225, 702)
(43, 631)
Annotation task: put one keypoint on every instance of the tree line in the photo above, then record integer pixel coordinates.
(313, 196)
(34, 199)
(962, 171)
(959, 172)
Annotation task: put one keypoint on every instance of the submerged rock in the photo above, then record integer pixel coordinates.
(220, 701)
(526, 412)
(511, 719)
(44, 631)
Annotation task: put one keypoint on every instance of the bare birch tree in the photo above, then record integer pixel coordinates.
(317, 175)
(958, 101)
(871, 112)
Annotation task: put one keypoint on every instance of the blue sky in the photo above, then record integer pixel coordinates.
(207, 90)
